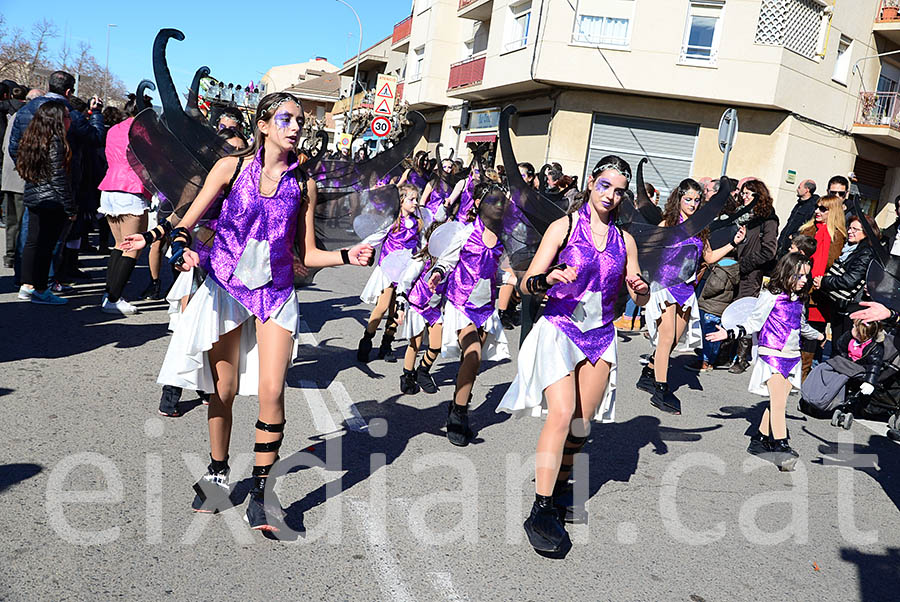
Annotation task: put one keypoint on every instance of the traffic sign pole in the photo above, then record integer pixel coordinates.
(728, 128)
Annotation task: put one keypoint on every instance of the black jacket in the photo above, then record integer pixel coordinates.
(843, 282)
(756, 254)
(55, 192)
(801, 213)
(871, 360)
(888, 235)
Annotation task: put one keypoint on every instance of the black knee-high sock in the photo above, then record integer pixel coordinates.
(120, 276)
(114, 256)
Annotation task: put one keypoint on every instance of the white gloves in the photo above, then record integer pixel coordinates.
(866, 388)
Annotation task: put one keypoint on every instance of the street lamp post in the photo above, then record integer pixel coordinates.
(106, 74)
(356, 68)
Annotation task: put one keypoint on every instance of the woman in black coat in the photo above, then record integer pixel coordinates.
(845, 279)
(43, 161)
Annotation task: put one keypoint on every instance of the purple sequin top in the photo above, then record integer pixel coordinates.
(248, 220)
(439, 193)
(406, 236)
(672, 268)
(784, 319)
(585, 309)
(423, 300)
(466, 200)
(471, 286)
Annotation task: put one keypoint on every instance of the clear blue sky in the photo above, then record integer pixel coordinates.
(239, 41)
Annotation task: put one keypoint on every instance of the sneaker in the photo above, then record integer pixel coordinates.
(120, 307)
(47, 298)
(212, 492)
(59, 287)
(25, 293)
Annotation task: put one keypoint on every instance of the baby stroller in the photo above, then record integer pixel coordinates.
(832, 389)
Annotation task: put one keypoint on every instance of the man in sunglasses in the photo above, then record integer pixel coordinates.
(801, 213)
(839, 186)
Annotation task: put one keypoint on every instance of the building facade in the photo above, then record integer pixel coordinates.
(653, 77)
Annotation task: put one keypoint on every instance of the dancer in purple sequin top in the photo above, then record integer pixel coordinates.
(567, 364)
(778, 322)
(672, 314)
(237, 334)
(403, 234)
(441, 191)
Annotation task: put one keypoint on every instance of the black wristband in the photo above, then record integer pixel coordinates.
(345, 256)
(148, 237)
(537, 284)
(183, 235)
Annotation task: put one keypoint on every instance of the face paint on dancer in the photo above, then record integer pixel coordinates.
(608, 191)
(690, 202)
(491, 209)
(284, 127)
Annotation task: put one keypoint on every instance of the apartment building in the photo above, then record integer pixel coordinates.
(653, 77)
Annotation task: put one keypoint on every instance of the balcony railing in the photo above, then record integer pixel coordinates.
(878, 109)
(465, 3)
(888, 12)
(698, 55)
(469, 72)
(402, 30)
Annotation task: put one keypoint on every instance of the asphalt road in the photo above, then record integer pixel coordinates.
(95, 487)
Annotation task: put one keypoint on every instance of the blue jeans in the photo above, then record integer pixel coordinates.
(20, 249)
(708, 323)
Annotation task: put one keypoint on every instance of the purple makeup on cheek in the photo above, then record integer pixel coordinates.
(602, 184)
(283, 120)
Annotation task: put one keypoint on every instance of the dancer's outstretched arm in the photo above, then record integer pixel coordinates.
(317, 258)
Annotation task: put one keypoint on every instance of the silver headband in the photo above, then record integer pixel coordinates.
(614, 167)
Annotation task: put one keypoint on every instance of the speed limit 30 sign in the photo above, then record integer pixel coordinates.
(381, 126)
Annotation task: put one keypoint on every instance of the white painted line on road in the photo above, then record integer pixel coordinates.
(379, 552)
(320, 413)
(352, 418)
(443, 583)
(879, 428)
(306, 336)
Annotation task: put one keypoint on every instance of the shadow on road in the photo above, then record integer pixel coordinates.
(879, 574)
(10, 474)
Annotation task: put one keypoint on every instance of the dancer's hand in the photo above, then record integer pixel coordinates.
(719, 335)
(434, 280)
(133, 242)
(739, 237)
(566, 275)
(638, 285)
(361, 254)
(191, 260)
(872, 313)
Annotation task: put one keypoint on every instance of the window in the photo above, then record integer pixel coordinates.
(701, 34)
(520, 19)
(478, 41)
(603, 31)
(842, 63)
(418, 63)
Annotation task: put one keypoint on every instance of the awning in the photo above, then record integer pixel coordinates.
(480, 138)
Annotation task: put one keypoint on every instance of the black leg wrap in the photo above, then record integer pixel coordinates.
(269, 446)
(270, 428)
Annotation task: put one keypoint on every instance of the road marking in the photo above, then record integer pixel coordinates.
(378, 550)
(879, 428)
(352, 418)
(443, 583)
(306, 336)
(320, 413)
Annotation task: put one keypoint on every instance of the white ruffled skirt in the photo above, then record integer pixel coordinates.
(182, 287)
(692, 337)
(378, 281)
(546, 357)
(413, 324)
(495, 348)
(211, 313)
(762, 372)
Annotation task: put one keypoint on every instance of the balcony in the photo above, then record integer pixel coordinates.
(469, 72)
(478, 10)
(887, 21)
(400, 39)
(877, 117)
(698, 56)
(400, 87)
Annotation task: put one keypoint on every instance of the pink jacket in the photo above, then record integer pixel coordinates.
(120, 177)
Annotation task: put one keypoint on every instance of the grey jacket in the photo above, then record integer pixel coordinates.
(11, 181)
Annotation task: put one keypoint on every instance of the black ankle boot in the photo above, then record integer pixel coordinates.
(544, 529)
(152, 291)
(782, 455)
(425, 380)
(168, 401)
(365, 347)
(508, 319)
(564, 501)
(759, 444)
(646, 380)
(385, 351)
(663, 400)
(264, 512)
(408, 384)
(458, 432)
